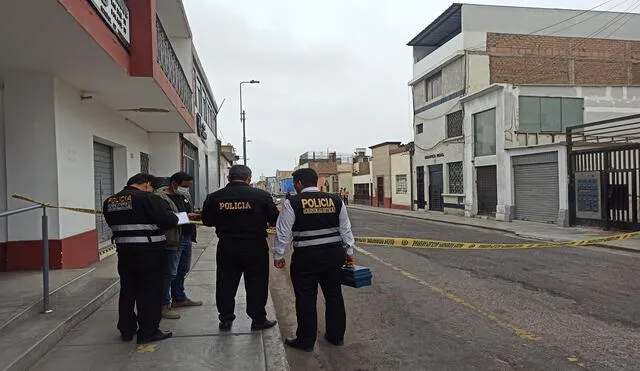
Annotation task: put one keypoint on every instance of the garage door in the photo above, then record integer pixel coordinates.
(537, 187)
(103, 184)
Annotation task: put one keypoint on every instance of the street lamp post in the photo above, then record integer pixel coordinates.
(242, 119)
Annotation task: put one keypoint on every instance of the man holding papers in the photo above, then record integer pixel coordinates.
(179, 245)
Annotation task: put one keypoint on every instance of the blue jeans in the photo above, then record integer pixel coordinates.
(177, 266)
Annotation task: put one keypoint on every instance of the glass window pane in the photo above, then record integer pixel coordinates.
(529, 114)
(550, 115)
(485, 133)
(572, 112)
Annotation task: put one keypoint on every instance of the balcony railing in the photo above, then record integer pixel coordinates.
(172, 68)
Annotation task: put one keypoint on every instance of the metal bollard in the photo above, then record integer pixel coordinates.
(45, 261)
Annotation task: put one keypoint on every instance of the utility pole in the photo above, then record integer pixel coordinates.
(242, 120)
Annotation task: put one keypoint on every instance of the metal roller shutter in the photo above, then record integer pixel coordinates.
(103, 183)
(537, 187)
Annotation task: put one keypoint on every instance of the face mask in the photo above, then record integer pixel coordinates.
(183, 191)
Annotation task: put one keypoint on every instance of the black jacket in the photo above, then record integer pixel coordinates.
(239, 211)
(184, 205)
(138, 219)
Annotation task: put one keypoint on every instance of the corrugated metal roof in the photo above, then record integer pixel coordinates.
(443, 29)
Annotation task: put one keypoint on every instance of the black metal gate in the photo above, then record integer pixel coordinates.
(436, 188)
(604, 173)
(487, 190)
(422, 202)
(361, 194)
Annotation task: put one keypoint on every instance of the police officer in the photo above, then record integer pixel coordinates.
(138, 220)
(318, 224)
(241, 214)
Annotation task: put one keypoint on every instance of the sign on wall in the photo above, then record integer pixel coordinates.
(588, 195)
(116, 15)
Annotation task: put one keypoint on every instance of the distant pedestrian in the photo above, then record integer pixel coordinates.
(318, 224)
(138, 220)
(240, 215)
(346, 197)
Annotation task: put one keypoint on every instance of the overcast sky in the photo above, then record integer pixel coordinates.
(333, 73)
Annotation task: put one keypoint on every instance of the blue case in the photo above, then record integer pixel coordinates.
(357, 276)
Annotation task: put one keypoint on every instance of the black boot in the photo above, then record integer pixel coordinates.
(297, 344)
(264, 325)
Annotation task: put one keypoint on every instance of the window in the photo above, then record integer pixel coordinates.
(401, 184)
(454, 124)
(419, 128)
(144, 163)
(484, 133)
(434, 86)
(456, 184)
(549, 115)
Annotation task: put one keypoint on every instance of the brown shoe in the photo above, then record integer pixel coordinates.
(186, 303)
(168, 313)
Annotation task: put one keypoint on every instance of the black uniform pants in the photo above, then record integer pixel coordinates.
(311, 266)
(235, 258)
(141, 274)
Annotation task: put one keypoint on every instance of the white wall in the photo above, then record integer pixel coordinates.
(483, 102)
(506, 19)
(438, 57)
(400, 165)
(206, 147)
(78, 125)
(165, 154)
(30, 140)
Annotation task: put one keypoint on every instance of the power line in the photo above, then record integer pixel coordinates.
(483, 45)
(553, 60)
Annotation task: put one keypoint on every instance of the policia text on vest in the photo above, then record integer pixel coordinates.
(138, 220)
(318, 225)
(241, 215)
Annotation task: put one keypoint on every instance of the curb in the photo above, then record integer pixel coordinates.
(515, 233)
(44, 345)
(275, 355)
(436, 220)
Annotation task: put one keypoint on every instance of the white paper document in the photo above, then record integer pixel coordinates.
(183, 218)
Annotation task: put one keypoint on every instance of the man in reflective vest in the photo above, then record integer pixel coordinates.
(318, 225)
(138, 220)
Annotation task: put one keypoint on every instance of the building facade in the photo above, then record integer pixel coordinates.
(96, 96)
(493, 96)
(400, 163)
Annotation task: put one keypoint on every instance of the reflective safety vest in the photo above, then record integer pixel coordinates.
(131, 214)
(317, 219)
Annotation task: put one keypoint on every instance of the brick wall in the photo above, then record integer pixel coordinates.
(532, 59)
(324, 167)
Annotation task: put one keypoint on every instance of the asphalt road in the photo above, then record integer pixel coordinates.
(544, 309)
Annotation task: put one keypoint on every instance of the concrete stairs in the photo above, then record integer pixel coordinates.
(28, 334)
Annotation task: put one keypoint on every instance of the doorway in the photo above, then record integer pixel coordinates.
(436, 188)
(422, 202)
(380, 193)
(487, 185)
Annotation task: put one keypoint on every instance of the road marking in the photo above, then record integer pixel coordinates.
(522, 333)
(576, 360)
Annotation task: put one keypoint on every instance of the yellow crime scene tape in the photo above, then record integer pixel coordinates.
(406, 242)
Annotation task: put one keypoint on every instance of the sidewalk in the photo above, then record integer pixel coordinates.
(197, 344)
(537, 231)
